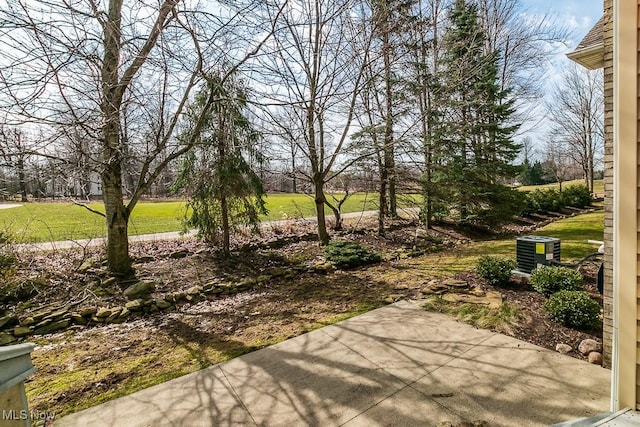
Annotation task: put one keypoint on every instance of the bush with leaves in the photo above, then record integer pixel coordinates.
(548, 280)
(345, 254)
(495, 270)
(577, 196)
(573, 308)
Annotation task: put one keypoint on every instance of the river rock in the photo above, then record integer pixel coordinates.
(589, 345)
(563, 348)
(595, 358)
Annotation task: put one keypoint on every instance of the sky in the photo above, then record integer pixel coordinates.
(578, 16)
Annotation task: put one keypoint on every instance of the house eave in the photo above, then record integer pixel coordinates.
(591, 57)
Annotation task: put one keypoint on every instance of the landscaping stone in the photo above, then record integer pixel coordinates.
(21, 331)
(8, 321)
(322, 267)
(563, 348)
(139, 289)
(103, 312)
(179, 254)
(163, 304)
(42, 324)
(97, 319)
(595, 358)
(55, 326)
(175, 296)
(6, 338)
(57, 315)
(589, 345)
(393, 298)
(28, 321)
(78, 319)
(134, 305)
(153, 309)
(124, 313)
(194, 290)
(145, 259)
(454, 283)
(115, 313)
(90, 311)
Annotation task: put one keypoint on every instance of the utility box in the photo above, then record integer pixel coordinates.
(534, 251)
(15, 367)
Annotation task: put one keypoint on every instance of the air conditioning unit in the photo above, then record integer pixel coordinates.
(534, 251)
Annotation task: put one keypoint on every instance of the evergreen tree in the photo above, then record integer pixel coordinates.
(224, 191)
(477, 122)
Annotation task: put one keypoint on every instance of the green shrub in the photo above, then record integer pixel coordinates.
(577, 196)
(495, 270)
(573, 308)
(548, 280)
(545, 200)
(349, 254)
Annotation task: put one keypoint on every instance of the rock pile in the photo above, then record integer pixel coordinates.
(589, 347)
(49, 319)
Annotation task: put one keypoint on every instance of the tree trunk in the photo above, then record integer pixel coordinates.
(224, 213)
(318, 184)
(389, 155)
(117, 216)
(22, 180)
(382, 209)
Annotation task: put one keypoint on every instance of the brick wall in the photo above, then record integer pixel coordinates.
(608, 180)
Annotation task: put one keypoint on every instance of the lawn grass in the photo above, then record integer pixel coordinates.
(573, 232)
(598, 185)
(52, 221)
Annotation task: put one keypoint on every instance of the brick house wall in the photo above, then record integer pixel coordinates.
(608, 181)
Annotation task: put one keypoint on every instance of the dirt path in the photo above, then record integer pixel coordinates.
(9, 205)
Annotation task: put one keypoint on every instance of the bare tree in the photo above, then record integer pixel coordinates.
(121, 73)
(558, 162)
(14, 155)
(315, 72)
(577, 114)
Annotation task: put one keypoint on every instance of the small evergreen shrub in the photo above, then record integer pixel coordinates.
(349, 254)
(548, 280)
(548, 200)
(573, 308)
(495, 270)
(577, 196)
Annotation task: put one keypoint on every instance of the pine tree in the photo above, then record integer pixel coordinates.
(224, 191)
(477, 123)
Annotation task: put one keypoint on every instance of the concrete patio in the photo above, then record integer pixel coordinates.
(398, 365)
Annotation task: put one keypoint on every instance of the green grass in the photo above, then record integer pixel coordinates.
(598, 185)
(44, 222)
(573, 232)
